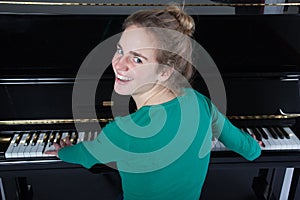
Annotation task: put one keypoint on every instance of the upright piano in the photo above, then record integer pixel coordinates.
(258, 57)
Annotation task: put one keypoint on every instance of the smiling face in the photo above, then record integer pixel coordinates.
(134, 62)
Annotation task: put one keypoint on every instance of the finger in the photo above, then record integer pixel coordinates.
(68, 141)
(52, 152)
(261, 144)
(62, 143)
(56, 146)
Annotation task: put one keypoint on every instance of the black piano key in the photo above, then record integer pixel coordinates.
(75, 138)
(69, 136)
(280, 135)
(35, 138)
(51, 138)
(28, 138)
(272, 132)
(45, 139)
(18, 139)
(286, 135)
(257, 134)
(262, 132)
(58, 136)
(245, 130)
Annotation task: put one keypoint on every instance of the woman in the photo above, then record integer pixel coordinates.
(162, 150)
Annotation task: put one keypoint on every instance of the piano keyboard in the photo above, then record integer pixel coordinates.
(274, 138)
(35, 143)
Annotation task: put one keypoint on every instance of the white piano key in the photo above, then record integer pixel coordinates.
(88, 136)
(213, 144)
(223, 148)
(293, 137)
(275, 144)
(81, 136)
(14, 153)
(73, 137)
(218, 146)
(29, 146)
(267, 144)
(8, 153)
(37, 149)
(64, 135)
(94, 136)
(271, 143)
(22, 146)
(50, 146)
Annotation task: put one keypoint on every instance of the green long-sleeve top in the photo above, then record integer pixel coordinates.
(162, 151)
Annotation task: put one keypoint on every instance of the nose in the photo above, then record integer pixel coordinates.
(120, 63)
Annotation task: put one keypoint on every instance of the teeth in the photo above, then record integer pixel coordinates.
(123, 78)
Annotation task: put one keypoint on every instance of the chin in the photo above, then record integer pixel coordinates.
(121, 92)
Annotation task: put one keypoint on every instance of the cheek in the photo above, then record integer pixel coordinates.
(114, 60)
(145, 76)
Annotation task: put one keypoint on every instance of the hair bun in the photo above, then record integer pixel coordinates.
(187, 24)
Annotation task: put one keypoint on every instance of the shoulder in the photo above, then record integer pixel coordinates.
(202, 99)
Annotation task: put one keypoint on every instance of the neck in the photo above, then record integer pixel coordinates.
(155, 96)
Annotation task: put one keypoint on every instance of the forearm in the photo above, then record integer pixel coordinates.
(239, 141)
(77, 154)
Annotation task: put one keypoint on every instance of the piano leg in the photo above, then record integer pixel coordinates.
(276, 183)
(2, 194)
(262, 184)
(268, 185)
(24, 191)
(295, 185)
(286, 185)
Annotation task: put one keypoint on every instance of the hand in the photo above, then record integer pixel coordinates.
(63, 143)
(259, 142)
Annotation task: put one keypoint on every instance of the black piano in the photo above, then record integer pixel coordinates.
(258, 57)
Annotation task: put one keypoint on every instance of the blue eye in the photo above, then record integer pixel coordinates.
(137, 60)
(119, 51)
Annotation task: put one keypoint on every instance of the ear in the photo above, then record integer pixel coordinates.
(165, 73)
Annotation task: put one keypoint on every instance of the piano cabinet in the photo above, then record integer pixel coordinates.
(57, 181)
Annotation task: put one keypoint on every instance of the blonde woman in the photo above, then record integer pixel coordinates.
(159, 148)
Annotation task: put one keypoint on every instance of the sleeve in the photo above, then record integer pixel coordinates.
(104, 149)
(232, 137)
(77, 154)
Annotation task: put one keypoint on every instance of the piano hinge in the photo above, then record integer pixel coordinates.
(54, 121)
(48, 3)
(282, 115)
(290, 115)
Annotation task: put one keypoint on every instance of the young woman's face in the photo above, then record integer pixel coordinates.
(134, 62)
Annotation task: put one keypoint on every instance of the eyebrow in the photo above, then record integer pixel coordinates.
(134, 53)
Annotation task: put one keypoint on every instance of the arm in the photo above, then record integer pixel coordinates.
(88, 153)
(232, 137)
(77, 154)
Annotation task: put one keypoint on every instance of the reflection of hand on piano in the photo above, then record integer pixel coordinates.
(57, 146)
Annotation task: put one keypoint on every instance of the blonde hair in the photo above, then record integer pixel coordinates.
(173, 18)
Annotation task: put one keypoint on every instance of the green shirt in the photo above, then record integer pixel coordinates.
(163, 151)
